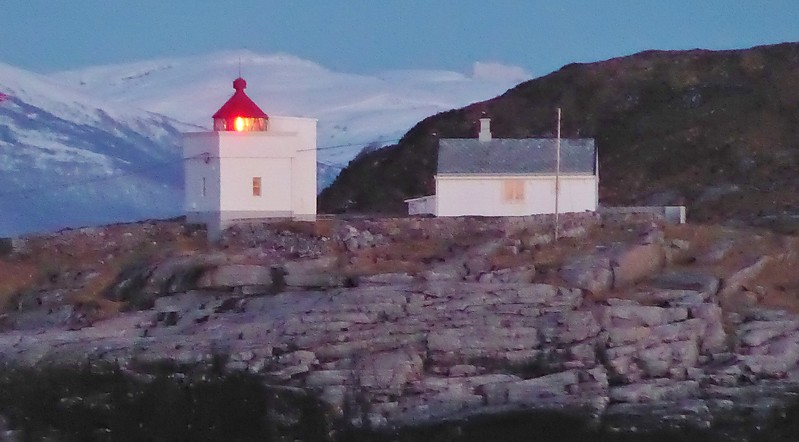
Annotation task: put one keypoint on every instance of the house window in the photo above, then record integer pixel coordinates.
(256, 186)
(204, 192)
(513, 191)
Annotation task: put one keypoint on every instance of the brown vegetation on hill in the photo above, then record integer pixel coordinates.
(716, 130)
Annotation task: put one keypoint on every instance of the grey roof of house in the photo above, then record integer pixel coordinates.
(515, 156)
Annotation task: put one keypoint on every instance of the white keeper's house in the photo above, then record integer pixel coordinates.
(490, 176)
(250, 166)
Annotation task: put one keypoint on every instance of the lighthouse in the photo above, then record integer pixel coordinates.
(251, 166)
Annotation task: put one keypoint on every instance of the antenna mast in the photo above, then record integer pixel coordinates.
(557, 180)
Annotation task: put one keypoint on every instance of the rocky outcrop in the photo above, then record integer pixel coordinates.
(621, 266)
(634, 263)
(621, 335)
(593, 273)
(417, 353)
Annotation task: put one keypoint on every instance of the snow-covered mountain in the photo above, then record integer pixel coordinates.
(101, 144)
(353, 110)
(68, 159)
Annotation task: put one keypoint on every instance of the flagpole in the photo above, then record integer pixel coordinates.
(557, 181)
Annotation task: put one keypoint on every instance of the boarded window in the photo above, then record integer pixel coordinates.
(256, 186)
(513, 191)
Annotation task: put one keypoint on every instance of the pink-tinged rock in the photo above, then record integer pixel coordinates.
(688, 281)
(767, 366)
(571, 327)
(519, 357)
(633, 315)
(657, 361)
(592, 273)
(674, 298)
(529, 390)
(445, 272)
(622, 351)
(655, 391)
(299, 357)
(544, 294)
(462, 371)
(448, 340)
(578, 326)
(481, 341)
(493, 378)
(477, 265)
(389, 370)
(755, 333)
(620, 336)
(678, 373)
(387, 279)
(524, 274)
(678, 251)
(637, 263)
(597, 375)
(707, 311)
(694, 373)
(323, 378)
(679, 331)
(717, 252)
(236, 275)
(685, 353)
(436, 407)
(676, 314)
(787, 347)
(178, 274)
(494, 393)
(584, 352)
(625, 367)
(714, 338)
(735, 283)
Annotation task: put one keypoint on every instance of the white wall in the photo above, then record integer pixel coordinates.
(304, 129)
(237, 187)
(284, 157)
(485, 195)
(200, 160)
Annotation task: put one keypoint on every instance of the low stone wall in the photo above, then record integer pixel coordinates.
(670, 214)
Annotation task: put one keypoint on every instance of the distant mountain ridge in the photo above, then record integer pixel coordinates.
(716, 130)
(353, 110)
(68, 159)
(76, 148)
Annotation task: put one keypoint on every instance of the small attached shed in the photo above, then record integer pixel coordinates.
(515, 177)
(424, 205)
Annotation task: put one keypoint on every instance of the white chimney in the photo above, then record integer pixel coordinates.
(485, 130)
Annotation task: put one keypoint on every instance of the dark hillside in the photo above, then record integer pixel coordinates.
(716, 130)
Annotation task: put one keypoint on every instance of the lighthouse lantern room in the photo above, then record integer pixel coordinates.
(251, 166)
(240, 113)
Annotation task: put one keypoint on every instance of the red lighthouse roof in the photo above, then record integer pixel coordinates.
(239, 105)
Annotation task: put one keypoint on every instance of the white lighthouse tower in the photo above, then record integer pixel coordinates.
(251, 166)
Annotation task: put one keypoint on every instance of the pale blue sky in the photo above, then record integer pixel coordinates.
(372, 35)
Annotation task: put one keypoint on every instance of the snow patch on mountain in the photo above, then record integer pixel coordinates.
(352, 109)
(70, 159)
